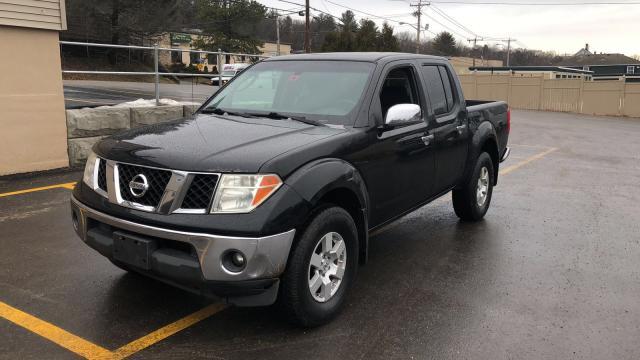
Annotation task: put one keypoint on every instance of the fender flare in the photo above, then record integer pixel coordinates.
(318, 178)
(484, 132)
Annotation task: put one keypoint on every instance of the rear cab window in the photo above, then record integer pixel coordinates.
(438, 84)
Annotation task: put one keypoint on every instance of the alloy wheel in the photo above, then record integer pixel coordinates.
(327, 266)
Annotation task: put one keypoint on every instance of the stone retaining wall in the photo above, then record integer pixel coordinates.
(86, 126)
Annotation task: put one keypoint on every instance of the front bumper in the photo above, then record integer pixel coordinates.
(192, 260)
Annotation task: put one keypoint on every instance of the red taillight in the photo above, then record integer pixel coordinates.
(508, 121)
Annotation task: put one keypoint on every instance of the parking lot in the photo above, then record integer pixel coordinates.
(552, 272)
(82, 93)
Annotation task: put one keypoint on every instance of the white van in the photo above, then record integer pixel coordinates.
(228, 72)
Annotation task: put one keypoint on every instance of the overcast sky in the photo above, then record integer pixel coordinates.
(563, 29)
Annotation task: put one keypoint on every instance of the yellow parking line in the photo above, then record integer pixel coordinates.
(90, 350)
(26, 191)
(94, 101)
(163, 333)
(528, 160)
(443, 199)
(55, 334)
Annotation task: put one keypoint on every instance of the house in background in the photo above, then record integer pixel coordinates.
(184, 41)
(32, 114)
(604, 66)
(627, 72)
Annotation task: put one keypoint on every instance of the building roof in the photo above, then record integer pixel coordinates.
(355, 56)
(531, 69)
(597, 59)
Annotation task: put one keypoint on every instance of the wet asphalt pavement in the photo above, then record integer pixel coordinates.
(552, 273)
(83, 93)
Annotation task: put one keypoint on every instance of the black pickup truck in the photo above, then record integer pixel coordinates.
(270, 191)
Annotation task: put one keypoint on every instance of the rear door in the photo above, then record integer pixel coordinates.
(450, 127)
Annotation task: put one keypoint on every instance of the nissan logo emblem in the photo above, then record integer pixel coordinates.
(138, 186)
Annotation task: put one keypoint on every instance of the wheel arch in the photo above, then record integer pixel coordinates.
(336, 182)
(484, 140)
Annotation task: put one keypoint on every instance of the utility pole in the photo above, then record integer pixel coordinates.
(307, 39)
(509, 40)
(475, 46)
(277, 33)
(418, 14)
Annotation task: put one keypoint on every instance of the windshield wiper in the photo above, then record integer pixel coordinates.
(280, 116)
(219, 111)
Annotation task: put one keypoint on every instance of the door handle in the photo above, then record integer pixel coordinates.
(428, 139)
(461, 129)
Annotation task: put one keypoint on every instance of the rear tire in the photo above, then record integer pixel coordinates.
(321, 269)
(472, 199)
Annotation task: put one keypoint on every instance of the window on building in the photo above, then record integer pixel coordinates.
(631, 70)
(212, 59)
(194, 58)
(558, 76)
(176, 57)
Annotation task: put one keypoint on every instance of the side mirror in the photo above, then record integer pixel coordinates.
(403, 114)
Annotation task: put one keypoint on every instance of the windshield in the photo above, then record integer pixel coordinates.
(228, 73)
(326, 91)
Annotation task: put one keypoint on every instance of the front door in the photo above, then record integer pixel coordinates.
(399, 170)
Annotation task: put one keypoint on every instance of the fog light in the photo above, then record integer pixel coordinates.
(234, 261)
(237, 259)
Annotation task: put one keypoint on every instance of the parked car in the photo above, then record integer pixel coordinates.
(228, 72)
(270, 191)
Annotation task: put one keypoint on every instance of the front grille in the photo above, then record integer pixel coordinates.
(157, 179)
(102, 175)
(200, 192)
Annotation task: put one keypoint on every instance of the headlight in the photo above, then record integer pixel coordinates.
(243, 193)
(90, 170)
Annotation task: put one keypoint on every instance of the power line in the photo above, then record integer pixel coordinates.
(312, 8)
(535, 4)
(363, 12)
(452, 20)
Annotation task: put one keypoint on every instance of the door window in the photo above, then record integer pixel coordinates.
(448, 89)
(436, 88)
(399, 88)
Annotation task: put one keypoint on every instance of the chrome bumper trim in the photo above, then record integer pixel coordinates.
(266, 256)
(507, 152)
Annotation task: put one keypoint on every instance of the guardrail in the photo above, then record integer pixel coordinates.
(156, 49)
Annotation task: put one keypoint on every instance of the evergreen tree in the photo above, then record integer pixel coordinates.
(386, 40)
(445, 44)
(230, 25)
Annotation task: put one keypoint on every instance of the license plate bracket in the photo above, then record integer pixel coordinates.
(133, 249)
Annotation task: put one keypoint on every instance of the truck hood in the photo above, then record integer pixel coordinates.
(212, 143)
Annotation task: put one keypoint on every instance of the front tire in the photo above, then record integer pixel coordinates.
(321, 269)
(472, 200)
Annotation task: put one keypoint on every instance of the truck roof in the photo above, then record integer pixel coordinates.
(355, 56)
